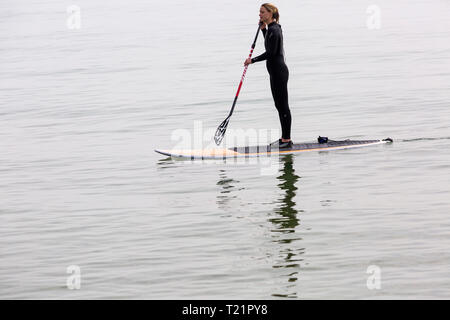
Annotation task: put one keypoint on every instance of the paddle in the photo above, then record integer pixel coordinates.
(220, 132)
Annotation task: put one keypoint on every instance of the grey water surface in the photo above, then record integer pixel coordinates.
(88, 92)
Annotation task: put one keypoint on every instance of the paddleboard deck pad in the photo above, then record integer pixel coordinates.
(266, 150)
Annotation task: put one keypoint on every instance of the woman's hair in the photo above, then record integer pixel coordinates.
(272, 9)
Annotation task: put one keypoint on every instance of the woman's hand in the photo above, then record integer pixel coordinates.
(262, 25)
(247, 62)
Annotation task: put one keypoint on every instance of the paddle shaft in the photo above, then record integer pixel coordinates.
(245, 71)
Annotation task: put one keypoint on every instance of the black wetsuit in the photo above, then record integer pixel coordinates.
(279, 74)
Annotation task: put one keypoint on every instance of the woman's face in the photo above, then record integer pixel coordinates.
(265, 15)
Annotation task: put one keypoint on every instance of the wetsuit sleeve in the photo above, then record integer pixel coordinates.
(272, 44)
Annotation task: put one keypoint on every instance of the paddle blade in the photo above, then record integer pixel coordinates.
(220, 132)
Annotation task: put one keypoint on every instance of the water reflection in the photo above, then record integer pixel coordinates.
(285, 221)
(165, 163)
(227, 186)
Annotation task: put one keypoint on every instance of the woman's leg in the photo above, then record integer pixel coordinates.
(278, 85)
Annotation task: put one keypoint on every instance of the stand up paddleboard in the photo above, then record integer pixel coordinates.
(261, 151)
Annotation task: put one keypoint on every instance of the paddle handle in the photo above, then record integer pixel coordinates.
(245, 71)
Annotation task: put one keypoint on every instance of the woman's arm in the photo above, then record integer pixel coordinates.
(272, 44)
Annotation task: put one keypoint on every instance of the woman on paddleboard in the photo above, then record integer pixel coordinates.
(278, 71)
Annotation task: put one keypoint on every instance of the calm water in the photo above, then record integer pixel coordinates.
(82, 110)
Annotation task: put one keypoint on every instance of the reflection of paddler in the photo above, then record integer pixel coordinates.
(287, 209)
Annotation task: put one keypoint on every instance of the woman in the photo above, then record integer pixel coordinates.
(278, 71)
